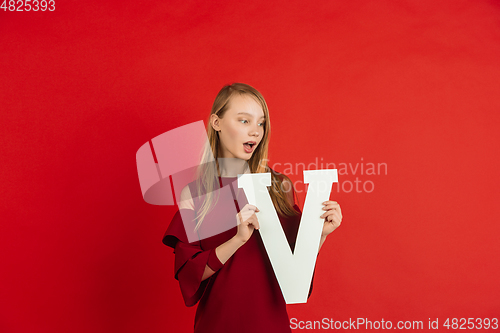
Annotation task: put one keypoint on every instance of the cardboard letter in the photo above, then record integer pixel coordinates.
(293, 271)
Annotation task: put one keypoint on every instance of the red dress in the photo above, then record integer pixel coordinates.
(243, 295)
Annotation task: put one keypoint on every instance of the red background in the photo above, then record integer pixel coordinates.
(413, 84)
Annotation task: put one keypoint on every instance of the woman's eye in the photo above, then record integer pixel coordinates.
(244, 121)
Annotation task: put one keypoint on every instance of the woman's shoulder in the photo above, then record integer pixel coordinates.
(192, 190)
(186, 199)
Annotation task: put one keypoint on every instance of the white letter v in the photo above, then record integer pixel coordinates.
(293, 271)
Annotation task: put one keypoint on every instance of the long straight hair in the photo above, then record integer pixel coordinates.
(208, 171)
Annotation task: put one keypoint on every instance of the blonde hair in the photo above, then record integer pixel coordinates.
(208, 170)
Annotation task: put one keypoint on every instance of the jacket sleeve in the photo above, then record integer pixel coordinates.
(190, 258)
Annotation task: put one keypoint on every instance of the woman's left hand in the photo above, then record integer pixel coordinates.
(332, 216)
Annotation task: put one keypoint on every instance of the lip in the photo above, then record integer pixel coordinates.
(249, 150)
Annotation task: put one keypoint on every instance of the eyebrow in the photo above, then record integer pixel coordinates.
(248, 114)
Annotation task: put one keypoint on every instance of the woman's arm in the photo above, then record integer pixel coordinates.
(223, 253)
(247, 223)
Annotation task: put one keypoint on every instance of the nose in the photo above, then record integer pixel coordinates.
(255, 131)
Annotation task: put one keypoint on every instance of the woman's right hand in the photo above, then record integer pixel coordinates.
(247, 222)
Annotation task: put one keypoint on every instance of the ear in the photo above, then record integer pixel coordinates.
(215, 122)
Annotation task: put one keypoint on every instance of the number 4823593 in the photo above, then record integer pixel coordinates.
(28, 5)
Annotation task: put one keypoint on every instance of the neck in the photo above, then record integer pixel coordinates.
(232, 167)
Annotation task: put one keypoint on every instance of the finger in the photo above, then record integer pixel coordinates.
(248, 217)
(335, 219)
(336, 215)
(256, 223)
(250, 207)
(331, 220)
(244, 215)
(340, 210)
(332, 212)
(325, 214)
(332, 205)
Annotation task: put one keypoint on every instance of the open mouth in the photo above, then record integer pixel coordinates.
(249, 146)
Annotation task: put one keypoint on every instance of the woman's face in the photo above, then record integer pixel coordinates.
(241, 128)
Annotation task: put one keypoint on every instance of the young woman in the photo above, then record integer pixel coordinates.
(227, 269)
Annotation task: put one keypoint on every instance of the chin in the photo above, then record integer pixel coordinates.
(245, 158)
